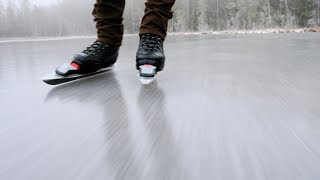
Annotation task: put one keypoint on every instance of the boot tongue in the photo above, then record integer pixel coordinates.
(93, 48)
(150, 43)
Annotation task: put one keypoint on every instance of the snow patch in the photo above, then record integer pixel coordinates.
(264, 31)
(231, 32)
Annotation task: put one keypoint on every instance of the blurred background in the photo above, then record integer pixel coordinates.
(227, 106)
(19, 18)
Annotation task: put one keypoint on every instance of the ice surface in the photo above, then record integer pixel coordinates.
(225, 107)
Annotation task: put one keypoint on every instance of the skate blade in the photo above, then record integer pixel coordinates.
(55, 79)
(146, 80)
(147, 73)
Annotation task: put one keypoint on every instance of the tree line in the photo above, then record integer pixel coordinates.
(70, 17)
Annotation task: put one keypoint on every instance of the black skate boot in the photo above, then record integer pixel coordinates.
(95, 57)
(150, 57)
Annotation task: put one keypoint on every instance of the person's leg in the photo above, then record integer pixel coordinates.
(153, 32)
(104, 52)
(157, 14)
(108, 17)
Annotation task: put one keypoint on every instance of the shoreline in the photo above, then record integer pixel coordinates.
(226, 32)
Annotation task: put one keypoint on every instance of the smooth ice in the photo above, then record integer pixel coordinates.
(225, 108)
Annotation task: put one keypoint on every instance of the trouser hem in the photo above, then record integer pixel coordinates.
(153, 31)
(114, 42)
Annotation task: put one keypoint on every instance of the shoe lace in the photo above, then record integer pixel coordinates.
(96, 48)
(150, 42)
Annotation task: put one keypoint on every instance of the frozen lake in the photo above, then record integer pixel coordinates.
(225, 107)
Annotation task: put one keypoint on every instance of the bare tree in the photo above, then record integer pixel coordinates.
(318, 10)
(269, 13)
(189, 15)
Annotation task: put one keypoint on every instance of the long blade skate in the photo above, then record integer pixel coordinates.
(147, 73)
(67, 73)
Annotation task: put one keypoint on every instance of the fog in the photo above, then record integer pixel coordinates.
(33, 18)
(34, 2)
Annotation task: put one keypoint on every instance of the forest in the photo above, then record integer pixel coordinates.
(71, 18)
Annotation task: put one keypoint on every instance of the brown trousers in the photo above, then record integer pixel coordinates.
(108, 17)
